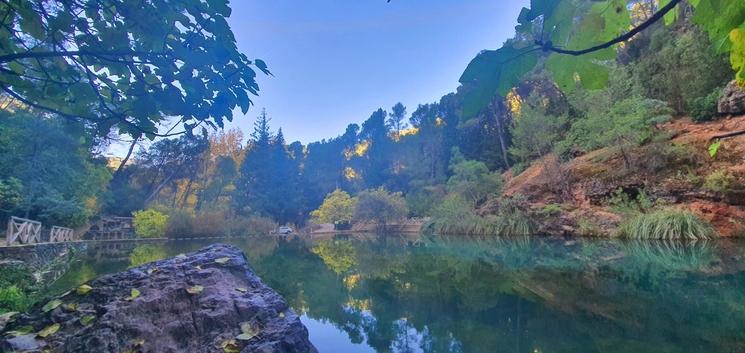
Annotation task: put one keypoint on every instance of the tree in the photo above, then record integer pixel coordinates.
(472, 179)
(395, 121)
(587, 32)
(380, 206)
(337, 207)
(535, 133)
(150, 223)
(269, 177)
(126, 65)
(47, 170)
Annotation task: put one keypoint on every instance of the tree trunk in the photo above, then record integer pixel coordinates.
(126, 158)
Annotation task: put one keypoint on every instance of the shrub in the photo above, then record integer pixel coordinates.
(380, 206)
(256, 225)
(180, 224)
(535, 133)
(718, 181)
(551, 209)
(472, 179)
(13, 298)
(705, 108)
(622, 203)
(456, 216)
(337, 207)
(666, 224)
(150, 223)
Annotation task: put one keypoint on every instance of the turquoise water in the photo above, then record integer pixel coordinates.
(438, 294)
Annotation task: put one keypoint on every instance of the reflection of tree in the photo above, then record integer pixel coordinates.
(508, 294)
(143, 254)
(339, 255)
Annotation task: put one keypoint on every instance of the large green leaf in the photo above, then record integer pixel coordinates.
(494, 72)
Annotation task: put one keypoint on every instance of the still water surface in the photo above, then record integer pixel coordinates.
(438, 294)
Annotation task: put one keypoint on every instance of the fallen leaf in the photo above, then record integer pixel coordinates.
(71, 307)
(150, 271)
(138, 342)
(87, 320)
(198, 267)
(23, 330)
(51, 305)
(248, 331)
(133, 294)
(229, 346)
(195, 289)
(222, 260)
(48, 331)
(242, 289)
(181, 256)
(84, 289)
(282, 315)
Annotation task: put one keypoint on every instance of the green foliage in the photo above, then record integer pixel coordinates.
(666, 224)
(472, 179)
(127, 65)
(380, 206)
(551, 209)
(337, 207)
(455, 215)
(13, 298)
(150, 223)
(714, 148)
(268, 180)
(679, 66)
(339, 255)
(718, 181)
(705, 108)
(535, 133)
(47, 170)
(143, 254)
(622, 203)
(624, 124)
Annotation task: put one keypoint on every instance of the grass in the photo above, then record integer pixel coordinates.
(512, 223)
(666, 224)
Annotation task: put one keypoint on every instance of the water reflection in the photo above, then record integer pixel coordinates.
(439, 294)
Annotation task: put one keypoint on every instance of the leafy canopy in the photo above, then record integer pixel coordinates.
(126, 65)
(549, 27)
(338, 206)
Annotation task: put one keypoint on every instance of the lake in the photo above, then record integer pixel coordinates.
(452, 294)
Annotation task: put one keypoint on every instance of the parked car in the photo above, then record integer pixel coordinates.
(284, 230)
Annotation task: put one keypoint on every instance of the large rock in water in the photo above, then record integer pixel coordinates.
(732, 100)
(206, 301)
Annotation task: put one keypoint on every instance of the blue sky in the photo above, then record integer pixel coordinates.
(336, 61)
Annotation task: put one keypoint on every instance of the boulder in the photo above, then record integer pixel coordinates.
(206, 301)
(732, 100)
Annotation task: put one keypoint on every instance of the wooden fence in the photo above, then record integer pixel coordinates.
(25, 231)
(61, 234)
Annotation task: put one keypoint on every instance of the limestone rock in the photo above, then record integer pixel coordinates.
(163, 316)
(732, 100)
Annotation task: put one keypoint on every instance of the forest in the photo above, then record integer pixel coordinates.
(454, 162)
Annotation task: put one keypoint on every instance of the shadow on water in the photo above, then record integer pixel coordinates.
(368, 293)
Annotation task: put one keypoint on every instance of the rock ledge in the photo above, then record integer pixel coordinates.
(200, 302)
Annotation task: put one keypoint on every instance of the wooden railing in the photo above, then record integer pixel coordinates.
(61, 234)
(23, 231)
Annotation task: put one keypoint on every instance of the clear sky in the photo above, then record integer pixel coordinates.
(336, 61)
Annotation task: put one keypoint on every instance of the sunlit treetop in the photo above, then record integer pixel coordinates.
(575, 40)
(126, 65)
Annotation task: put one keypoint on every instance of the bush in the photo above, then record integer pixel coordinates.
(705, 108)
(337, 207)
(13, 298)
(472, 179)
(551, 209)
(718, 181)
(535, 133)
(150, 223)
(456, 216)
(253, 225)
(180, 224)
(624, 204)
(666, 224)
(380, 206)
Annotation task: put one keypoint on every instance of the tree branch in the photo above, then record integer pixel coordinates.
(71, 53)
(548, 46)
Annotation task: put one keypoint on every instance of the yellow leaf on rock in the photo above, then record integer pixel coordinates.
(84, 289)
(48, 331)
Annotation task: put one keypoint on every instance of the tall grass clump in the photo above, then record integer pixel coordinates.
(668, 224)
(456, 216)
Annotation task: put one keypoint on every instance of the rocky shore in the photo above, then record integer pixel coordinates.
(206, 301)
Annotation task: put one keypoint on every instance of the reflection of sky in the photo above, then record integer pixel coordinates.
(329, 339)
